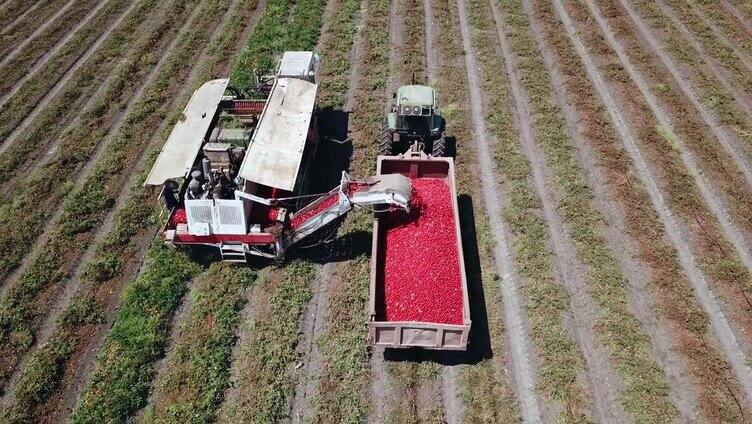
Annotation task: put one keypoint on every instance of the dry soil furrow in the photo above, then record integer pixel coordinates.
(55, 49)
(523, 373)
(727, 138)
(713, 199)
(396, 29)
(738, 16)
(13, 53)
(20, 17)
(83, 175)
(604, 383)
(682, 395)
(689, 262)
(55, 90)
(313, 324)
(454, 409)
(73, 286)
(719, 33)
(432, 60)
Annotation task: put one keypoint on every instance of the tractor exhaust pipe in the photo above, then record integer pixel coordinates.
(206, 166)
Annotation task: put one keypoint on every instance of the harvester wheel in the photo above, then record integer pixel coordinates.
(439, 146)
(386, 142)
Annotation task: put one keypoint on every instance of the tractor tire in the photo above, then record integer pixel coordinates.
(439, 146)
(386, 142)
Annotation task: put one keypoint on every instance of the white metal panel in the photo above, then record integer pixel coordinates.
(296, 64)
(199, 214)
(276, 151)
(182, 146)
(229, 217)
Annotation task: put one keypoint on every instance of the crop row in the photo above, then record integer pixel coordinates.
(25, 99)
(299, 13)
(12, 10)
(60, 111)
(120, 246)
(264, 385)
(198, 374)
(82, 210)
(344, 380)
(33, 200)
(713, 92)
(719, 166)
(644, 393)
(21, 63)
(720, 261)
(28, 25)
(675, 301)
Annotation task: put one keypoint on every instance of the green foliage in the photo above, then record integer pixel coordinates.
(194, 384)
(123, 374)
(264, 384)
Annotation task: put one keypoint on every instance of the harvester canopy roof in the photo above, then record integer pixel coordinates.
(185, 140)
(276, 151)
(415, 95)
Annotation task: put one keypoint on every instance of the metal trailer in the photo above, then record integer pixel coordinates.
(405, 334)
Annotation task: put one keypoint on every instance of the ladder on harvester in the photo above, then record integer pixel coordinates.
(232, 252)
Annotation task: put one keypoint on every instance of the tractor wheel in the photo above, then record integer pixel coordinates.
(439, 146)
(386, 142)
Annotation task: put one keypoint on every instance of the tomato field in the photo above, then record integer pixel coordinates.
(603, 156)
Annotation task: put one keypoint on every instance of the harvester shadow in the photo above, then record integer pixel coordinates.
(479, 343)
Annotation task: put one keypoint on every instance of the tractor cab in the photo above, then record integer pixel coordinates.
(413, 117)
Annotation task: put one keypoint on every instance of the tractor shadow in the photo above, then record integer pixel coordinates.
(334, 150)
(479, 343)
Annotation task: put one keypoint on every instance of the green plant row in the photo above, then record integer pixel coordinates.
(33, 200)
(61, 109)
(344, 381)
(266, 40)
(29, 24)
(193, 386)
(83, 210)
(644, 391)
(336, 66)
(23, 102)
(675, 301)
(121, 381)
(264, 385)
(118, 247)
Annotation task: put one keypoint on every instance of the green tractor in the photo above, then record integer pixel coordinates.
(414, 117)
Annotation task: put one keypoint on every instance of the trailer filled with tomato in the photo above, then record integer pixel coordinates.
(418, 290)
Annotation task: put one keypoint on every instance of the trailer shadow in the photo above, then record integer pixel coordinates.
(479, 344)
